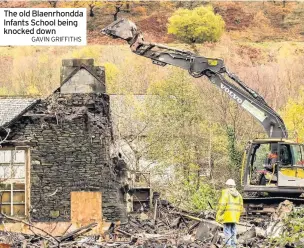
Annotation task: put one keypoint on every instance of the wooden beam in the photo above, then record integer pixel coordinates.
(39, 115)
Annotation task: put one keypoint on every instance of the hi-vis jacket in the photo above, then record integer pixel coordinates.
(230, 206)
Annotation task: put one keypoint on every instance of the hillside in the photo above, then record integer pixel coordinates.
(245, 21)
(274, 64)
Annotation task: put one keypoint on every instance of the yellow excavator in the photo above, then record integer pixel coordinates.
(275, 165)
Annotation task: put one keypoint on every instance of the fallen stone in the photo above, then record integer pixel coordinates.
(260, 232)
(175, 222)
(241, 229)
(283, 210)
(244, 237)
(205, 230)
(143, 216)
(186, 239)
(194, 245)
(257, 221)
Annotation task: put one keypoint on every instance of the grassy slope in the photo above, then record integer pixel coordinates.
(256, 34)
(237, 55)
(245, 21)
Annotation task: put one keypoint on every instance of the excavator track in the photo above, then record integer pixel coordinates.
(267, 205)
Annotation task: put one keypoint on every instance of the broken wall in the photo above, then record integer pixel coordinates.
(69, 136)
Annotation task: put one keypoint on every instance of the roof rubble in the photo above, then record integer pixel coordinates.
(165, 226)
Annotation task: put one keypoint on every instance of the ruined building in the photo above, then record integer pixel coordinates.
(55, 161)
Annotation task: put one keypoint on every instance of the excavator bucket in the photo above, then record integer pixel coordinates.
(122, 28)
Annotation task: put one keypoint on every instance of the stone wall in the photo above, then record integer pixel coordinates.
(81, 76)
(70, 137)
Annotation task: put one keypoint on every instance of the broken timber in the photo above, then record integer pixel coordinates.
(78, 232)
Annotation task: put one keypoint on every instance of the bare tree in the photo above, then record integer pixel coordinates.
(53, 3)
(118, 7)
(5, 136)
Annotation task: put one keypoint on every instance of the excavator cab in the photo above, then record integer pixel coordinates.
(273, 166)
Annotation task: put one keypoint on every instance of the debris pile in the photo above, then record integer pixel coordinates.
(166, 226)
(42, 238)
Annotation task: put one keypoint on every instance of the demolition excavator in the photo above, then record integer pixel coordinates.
(285, 179)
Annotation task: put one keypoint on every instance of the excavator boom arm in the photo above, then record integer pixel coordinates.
(199, 66)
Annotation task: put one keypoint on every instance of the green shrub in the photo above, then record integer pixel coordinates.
(196, 26)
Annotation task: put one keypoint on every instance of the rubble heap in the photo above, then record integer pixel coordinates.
(167, 226)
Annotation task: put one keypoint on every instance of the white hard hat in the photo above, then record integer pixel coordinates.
(230, 182)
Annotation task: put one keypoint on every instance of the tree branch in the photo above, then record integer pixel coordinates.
(7, 130)
(30, 225)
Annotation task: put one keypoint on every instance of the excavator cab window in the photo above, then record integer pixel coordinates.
(268, 157)
(291, 155)
(302, 152)
(285, 155)
(259, 157)
(297, 155)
